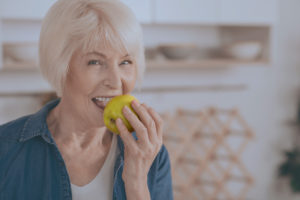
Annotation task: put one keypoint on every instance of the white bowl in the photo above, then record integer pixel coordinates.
(245, 50)
(177, 51)
(21, 52)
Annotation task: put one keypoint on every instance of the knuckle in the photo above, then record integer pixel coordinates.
(158, 143)
(148, 151)
(143, 129)
(151, 124)
(160, 120)
(140, 107)
(161, 126)
(123, 128)
(144, 105)
(129, 115)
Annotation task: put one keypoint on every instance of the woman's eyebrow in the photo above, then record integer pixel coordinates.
(97, 53)
(127, 55)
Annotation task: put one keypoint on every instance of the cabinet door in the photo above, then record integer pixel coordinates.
(248, 11)
(141, 9)
(28, 9)
(186, 11)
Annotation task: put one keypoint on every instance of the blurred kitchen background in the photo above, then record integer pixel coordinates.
(207, 60)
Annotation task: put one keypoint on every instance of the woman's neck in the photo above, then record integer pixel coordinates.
(67, 129)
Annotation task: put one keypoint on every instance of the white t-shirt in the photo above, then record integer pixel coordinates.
(101, 187)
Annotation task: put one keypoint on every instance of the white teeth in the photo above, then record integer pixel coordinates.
(103, 99)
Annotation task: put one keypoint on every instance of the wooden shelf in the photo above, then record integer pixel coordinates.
(165, 64)
(207, 63)
(21, 19)
(22, 82)
(31, 66)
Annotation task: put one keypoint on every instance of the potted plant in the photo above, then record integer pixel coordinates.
(291, 168)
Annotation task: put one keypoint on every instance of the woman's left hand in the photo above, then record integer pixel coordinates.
(140, 154)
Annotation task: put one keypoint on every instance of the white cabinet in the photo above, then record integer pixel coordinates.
(248, 11)
(187, 11)
(29, 9)
(141, 8)
(36, 9)
(211, 12)
(216, 11)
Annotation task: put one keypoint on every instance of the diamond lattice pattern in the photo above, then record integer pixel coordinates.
(205, 149)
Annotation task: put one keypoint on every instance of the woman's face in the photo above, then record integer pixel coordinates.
(95, 77)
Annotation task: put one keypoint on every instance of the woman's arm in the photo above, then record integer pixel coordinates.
(137, 190)
(163, 181)
(139, 154)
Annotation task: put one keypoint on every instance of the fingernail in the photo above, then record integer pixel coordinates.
(136, 103)
(126, 108)
(118, 120)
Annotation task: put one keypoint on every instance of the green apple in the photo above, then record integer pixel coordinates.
(113, 110)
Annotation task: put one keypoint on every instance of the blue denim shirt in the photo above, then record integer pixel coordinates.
(32, 168)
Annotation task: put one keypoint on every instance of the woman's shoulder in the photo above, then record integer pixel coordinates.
(12, 129)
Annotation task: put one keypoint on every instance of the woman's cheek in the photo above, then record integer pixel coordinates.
(129, 81)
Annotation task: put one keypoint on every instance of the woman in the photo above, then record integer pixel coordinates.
(90, 51)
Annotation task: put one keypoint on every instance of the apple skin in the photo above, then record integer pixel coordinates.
(113, 110)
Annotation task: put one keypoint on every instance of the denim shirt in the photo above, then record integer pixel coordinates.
(32, 168)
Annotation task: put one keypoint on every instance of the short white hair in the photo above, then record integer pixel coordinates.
(73, 24)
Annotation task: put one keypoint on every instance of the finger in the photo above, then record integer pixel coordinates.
(158, 122)
(126, 136)
(137, 125)
(153, 129)
(146, 119)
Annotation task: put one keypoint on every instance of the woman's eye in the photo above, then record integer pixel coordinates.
(94, 62)
(126, 62)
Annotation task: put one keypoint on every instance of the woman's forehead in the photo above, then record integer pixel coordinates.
(104, 47)
(107, 54)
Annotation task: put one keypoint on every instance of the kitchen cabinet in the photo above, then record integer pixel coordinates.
(188, 16)
(141, 9)
(216, 11)
(188, 11)
(35, 9)
(29, 9)
(212, 12)
(248, 11)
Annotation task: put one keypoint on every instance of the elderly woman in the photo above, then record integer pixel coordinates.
(90, 51)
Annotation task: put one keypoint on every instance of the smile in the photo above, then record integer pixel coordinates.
(101, 101)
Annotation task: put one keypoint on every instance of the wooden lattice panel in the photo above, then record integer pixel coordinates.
(205, 149)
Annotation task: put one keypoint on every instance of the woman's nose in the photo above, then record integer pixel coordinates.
(113, 78)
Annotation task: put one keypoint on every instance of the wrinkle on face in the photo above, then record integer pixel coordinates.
(87, 81)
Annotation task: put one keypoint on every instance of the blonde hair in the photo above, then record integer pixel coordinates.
(73, 24)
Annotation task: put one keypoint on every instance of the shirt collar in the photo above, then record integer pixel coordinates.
(36, 124)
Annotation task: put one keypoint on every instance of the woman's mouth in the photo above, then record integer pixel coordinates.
(101, 101)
